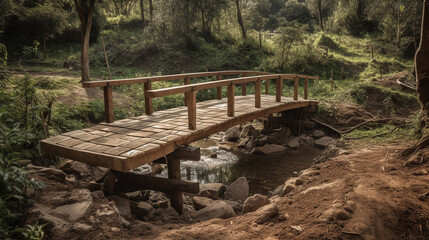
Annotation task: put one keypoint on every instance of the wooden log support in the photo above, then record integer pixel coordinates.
(191, 103)
(243, 87)
(108, 104)
(219, 89)
(147, 100)
(295, 88)
(305, 88)
(258, 94)
(279, 89)
(187, 82)
(230, 107)
(186, 153)
(176, 197)
(267, 87)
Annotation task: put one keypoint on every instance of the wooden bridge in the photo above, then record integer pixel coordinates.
(126, 144)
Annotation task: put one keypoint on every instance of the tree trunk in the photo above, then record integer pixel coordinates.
(142, 13)
(260, 39)
(151, 10)
(319, 10)
(85, 10)
(240, 19)
(422, 78)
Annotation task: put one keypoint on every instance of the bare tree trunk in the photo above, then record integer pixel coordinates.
(85, 10)
(142, 13)
(240, 19)
(398, 33)
(319, 9)
(151, 10)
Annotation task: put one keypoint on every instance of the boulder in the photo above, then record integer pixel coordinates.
(217, 209)
(167, 214)
(81, 227)
(91, 186)
(262, 141)
(201, 202)
(324, 142)
(44, 215)
(226, 147)
(75, 167)
(287, 188)
(81, 204)
(234, 204)
(318, 134)
(294, 143)
(247, 131)
(232, 134)
(250, 144)
(285, 132)
(53, 174)
(254, 202)
(134, 196)
(123, 205)
(269, 148)
(141, 209)
(238, 190)
(277, 191)
(266, 212)
(304, 138)
(100, 173)
(212, 190)
(243, 143)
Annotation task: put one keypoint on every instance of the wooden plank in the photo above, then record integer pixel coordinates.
(230, 109)
(108, 104)
(148, 100)
(176, 197)
(191, 103)
(279, 89)
(295, 89)
(305, 88)
(258, 94)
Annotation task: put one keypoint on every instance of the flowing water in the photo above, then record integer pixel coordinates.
(264, 172)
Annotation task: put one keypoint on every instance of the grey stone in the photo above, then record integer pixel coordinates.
(238, 190)
(53, 174)
(226, 147)
(318, 134)
(247, 131)
(212, 190)
(100, 173)
(232, 134)
(81, 227)
(324, 142)
(285, 132)
(243, 143)
(266, 212)
(123, 205)
(167, 214)
(287, 188)
(217, 209)
(213, 155)
(277, 191)
(44, 215)
(141, 209)
(262, 141)
(74, 211)
(341, 214)
(75, 167)
(91, 186)
(135, 196)
(201, 202)
(234, 204)
(294, 143)
(250, 144)
(254, 202)
(269, 148)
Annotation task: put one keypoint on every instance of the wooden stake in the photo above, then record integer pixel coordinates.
(108, 104)
(176, 198)
(191, 103)
(279, 89)
(305, 88)
(147, 100)
(258, 94)
(187, 81)
(230, 109)
(267, 87)
(219, 89)
(243, 87)
(295, 89)
(105, 57)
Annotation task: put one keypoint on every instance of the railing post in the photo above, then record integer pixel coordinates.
(147, 100)
(243, 87)
(108, 104)
(187, 81)
(191, 103)
(279, 88)
(267, 86)
(306, 88)
(295, 88)
(230, 106)
(258, 93)
(219, 89)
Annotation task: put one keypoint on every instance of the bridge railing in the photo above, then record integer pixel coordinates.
(190, 89)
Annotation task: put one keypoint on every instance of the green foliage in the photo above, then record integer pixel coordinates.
(325, 41)
(3, 66)
(295, 12)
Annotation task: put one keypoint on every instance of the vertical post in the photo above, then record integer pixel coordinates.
(187, 81)
(230, 106)
(295, 88)
(267, 86)
(191, 103)
(147, 100)
(219, 89)
(243, 87)
(176, 199)
(279, 89)
(108, 104)
(306, 88)
(258, 93)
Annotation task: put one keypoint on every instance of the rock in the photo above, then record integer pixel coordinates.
(318, 134)
(294, 143)
(232, 134)
(285, 132)
(100, 173)
(201, 202)
(278, 191)
(53, 174)
(163, 204)
(91, 186)
(134, 196)
(238, 190)
(81, 203)
(247, 131)
(234, 204)
(243, 143)
(250, 144)
(97, 194)
(44, 215)
(225, 147)
(287, 188)
(416, 159)
(123, 205)
(217, 209)
(298, 182)
(167, 214)
(144, 170)
(266, 212)
(388, 168)
(421, 172)
(141, 209)
(254, 202)
(75, 167)
(156, 168)
(341, 214)
(212, 190)
(324, 142)
(80, 227)
(423, 196)
(262, 141)
(269, 148)
(306, 139)
(213, 155)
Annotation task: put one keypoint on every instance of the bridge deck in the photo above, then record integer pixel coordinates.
(129, 143)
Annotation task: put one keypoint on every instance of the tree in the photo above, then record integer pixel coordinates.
(257, 16)
(142, 13)
(85, 10)
(287, 36)
(240, 19)
(319, 10)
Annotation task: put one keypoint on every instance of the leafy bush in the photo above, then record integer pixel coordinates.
(325, 41)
